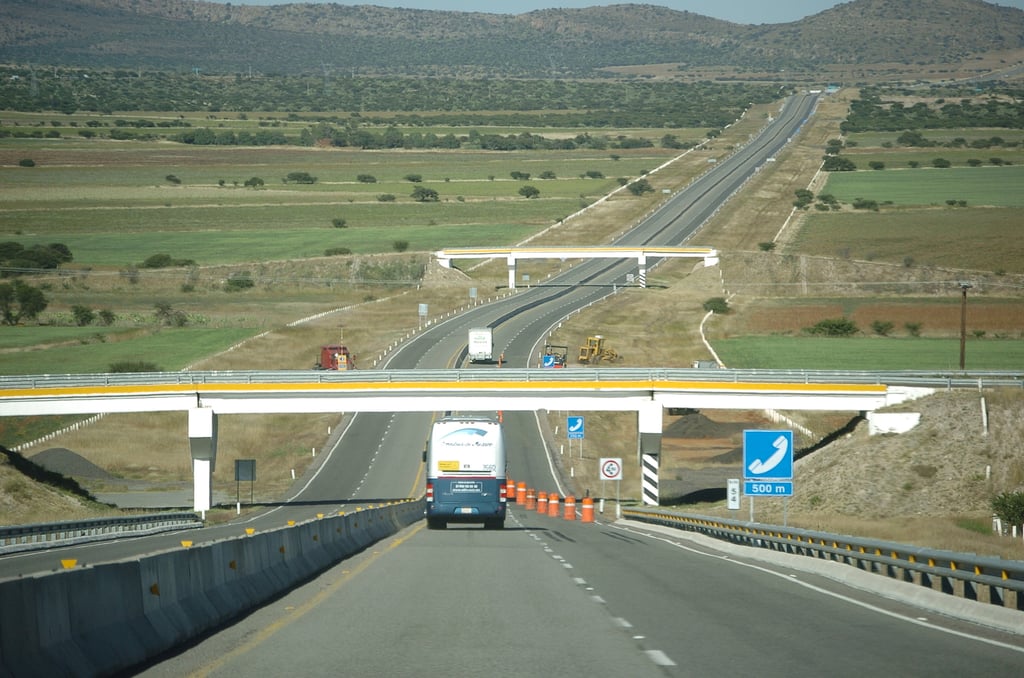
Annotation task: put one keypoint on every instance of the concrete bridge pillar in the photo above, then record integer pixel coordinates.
(642, 273)
(202, 443)
(511, 272)
(649, 450)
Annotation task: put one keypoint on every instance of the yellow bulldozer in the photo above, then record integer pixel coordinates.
(594, 351)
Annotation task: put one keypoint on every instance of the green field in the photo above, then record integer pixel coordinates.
(979, 186)
(869, 353)
(170, 349)
(113, 204)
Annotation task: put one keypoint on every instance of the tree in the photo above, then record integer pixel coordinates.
(414, 178)
(254, 182)
(339, 223)
(835, 163)
(876, 165)
(366, 179)
(941, 163)
(424, 194)
(529, 191)
(20, 301)
(400, 245)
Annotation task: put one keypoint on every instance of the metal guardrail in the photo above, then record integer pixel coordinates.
(987, 379)
(990, 580)
(47, 535)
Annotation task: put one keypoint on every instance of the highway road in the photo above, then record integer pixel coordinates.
(549, 595)
(552, 597)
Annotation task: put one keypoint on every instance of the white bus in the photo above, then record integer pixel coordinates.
(465, 459)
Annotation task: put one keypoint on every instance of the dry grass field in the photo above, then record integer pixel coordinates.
(779, 292)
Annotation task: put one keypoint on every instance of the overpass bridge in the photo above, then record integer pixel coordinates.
(207, 395)
(513, 254)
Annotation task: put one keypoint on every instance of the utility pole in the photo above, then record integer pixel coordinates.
(964, 286)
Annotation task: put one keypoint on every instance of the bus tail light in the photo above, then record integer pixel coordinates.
(502, 492)
(430, 492)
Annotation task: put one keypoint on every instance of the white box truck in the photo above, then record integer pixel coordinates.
(481, 344)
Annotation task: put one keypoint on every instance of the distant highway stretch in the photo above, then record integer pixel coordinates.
(550, 595)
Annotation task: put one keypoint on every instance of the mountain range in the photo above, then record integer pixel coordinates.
(314, 38)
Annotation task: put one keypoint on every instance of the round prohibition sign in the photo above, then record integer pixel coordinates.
(611, 469)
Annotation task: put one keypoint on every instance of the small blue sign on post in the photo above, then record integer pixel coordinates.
(768, 463)
(574, 427)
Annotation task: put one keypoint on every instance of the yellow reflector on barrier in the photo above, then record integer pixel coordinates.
(68, 563)
(185, 543)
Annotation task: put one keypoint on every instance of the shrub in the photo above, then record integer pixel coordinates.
(300, 178)
(833, 327)
(1009, 506)
(716, 305)
(83, 315)
(366, 179)
(336, 251)
(238, 281)
(338, 223)
(876, 165)
(882, 327)
(941, 163)
(414, 178)
(254, 182)
(766, 246)
(26, 162)
(639, 187)
(133, 366)
(171, 179)
(913, 329)
(400, 245)
(386, 197)
(529, 191)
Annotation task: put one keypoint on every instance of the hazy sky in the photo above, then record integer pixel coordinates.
(738, 11)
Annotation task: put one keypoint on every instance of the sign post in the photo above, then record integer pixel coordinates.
(767, 465)
(245, 469)
(611, 469)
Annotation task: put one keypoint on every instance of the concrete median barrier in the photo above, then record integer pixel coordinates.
(105, 619)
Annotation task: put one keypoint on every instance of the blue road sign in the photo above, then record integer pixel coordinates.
(548, 360)
(574, 427)
(768, 455)
(768, 488)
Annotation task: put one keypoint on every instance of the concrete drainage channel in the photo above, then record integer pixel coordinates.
(100, 620)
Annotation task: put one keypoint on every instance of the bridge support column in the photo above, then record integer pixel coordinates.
(202, 443)
(511, 273)
(642, 273)
(649, 450)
